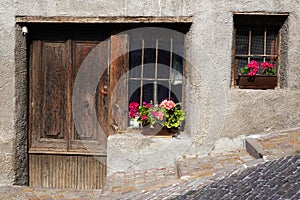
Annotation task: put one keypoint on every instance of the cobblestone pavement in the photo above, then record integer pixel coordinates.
(278, 179)
(31, 193)
(191, 174)
(122, 182)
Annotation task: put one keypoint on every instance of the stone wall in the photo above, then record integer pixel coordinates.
(214, 109)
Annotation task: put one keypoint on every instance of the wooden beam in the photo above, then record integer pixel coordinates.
(262, 13)
(113, 19)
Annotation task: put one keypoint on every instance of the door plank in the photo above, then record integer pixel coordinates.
(89, 134)
(102, 101)
(55, 89)
(85, 126)
(118, 80)
(48, 113)
(35, 86)
(61, 171)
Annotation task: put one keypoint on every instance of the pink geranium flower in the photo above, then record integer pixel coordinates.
(268, 68)
(253, 64)
(266, 65)
(144, 117)
(132, 114)
(167, 104)
(133, 109)
(133, 105)
(253, 68)
(158, 115)
(148, 106)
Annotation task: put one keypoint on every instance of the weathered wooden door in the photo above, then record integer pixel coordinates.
(71, 79)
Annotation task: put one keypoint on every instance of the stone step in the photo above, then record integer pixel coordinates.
(274, 146)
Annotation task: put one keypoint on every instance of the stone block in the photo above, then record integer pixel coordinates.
(135, 152)
(254, 148)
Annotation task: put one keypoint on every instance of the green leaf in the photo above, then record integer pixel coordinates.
(244, 70)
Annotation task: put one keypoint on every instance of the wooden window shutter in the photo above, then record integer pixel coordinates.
(119, 63)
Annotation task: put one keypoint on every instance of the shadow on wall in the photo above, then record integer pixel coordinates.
(20, 144)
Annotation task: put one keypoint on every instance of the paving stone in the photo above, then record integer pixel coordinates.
(6, 196)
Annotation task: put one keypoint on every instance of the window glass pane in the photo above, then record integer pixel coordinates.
(164, 52)
(135, 62)
(177, 68)
(178, 44)
(257, 42)
(163, 70)
(149, 63)
(162, 90)
(148, 91)
(176, 92)
(149, 70)
(259, 60)
(149, 56)
(134, 89)
(242, 41)
(271, 42)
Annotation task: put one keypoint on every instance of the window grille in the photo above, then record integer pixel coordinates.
(256, 37)
(156, 72)
(256, 44)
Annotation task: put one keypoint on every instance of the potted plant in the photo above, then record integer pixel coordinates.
(253, 77)
(162, 119)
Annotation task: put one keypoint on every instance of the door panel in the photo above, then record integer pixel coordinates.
(54, 70)
(48, 111)
(89, 59)
(85, 128)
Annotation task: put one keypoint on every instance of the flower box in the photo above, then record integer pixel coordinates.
(162, 119)
(257, 82)
(159, 130)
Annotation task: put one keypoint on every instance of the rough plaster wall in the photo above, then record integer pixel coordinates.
(102, 7)
(228, 112)
(220, 111)
(7, 100)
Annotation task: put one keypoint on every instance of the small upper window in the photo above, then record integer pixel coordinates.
(257, 43)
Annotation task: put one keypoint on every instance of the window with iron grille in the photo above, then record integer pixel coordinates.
(156, 69)
(256, 37)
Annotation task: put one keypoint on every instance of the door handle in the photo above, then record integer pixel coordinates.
(104, 90)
